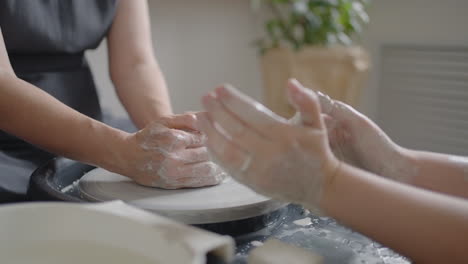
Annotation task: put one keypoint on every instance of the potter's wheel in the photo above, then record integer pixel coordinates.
(228, 201)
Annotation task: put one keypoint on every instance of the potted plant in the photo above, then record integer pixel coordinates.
(313, 41)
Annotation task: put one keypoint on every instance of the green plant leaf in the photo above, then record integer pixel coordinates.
(299, 23)
(273, 30)
(300, 7)
(281, 1)
(359, 9)
(317, 3)
(344, 39)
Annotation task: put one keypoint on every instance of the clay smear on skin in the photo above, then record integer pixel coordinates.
(382, 154)
(214, 176)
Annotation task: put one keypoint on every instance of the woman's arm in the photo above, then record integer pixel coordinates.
(438, 172)
(33, 115)
(354, 137)
(37, 117)
(154, 156)
(134, 70)
(425, 226)
(294, 163)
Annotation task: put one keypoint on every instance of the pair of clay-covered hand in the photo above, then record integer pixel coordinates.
(254, 144)
(291, 160)
(170, 153)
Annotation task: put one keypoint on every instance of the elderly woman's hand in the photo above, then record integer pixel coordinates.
(266, 152)
(171, 154)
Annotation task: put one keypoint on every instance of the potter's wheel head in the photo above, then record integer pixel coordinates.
(229, 201)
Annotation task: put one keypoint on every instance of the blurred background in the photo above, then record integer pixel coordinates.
(417, 86)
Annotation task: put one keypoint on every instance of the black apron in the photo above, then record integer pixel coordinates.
(46, 41)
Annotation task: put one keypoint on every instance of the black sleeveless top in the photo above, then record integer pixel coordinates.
(46, 41)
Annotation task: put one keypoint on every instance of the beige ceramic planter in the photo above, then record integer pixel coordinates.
(337, 71)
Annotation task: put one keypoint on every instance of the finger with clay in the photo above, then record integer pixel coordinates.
(264, 151)
(171, 154)
(357, 140)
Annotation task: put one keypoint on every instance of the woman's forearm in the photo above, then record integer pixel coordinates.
(134, 70)
(439, 172)
(143, 92)
(433, 171)
(427, 227)
(33, 115)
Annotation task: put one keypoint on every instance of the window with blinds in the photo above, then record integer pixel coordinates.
(423, 97)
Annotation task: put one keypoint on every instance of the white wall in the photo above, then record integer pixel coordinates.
(199, 45)
(202, 43)
(421, 22)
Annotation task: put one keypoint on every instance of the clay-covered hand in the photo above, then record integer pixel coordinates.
(355, 139)
(170, 153)
(264, 151)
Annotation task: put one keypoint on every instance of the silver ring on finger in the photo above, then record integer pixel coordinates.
(247, 162)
